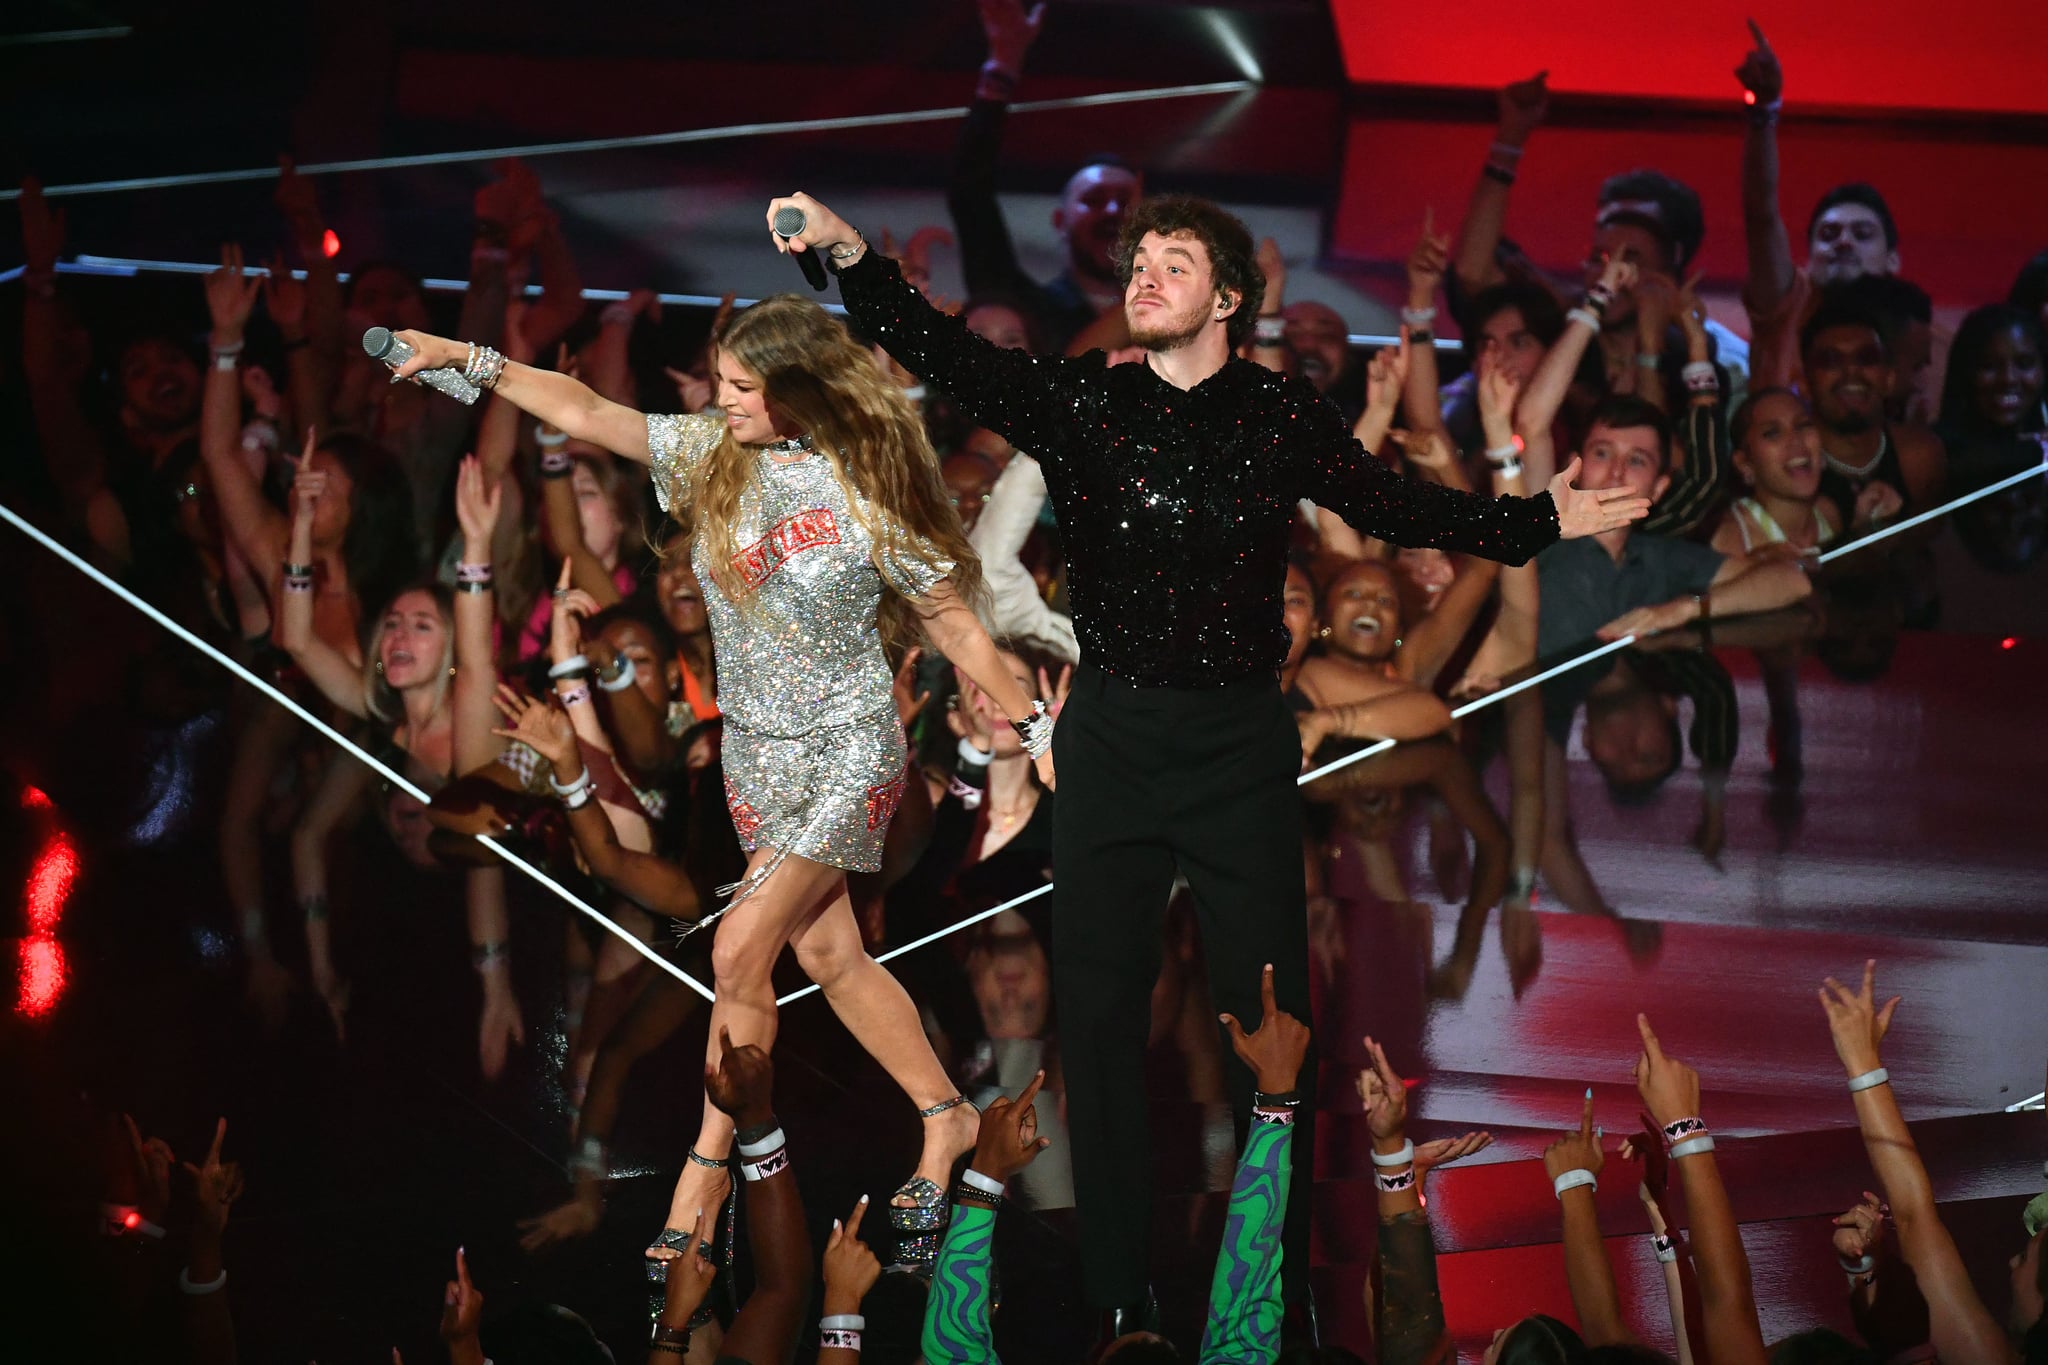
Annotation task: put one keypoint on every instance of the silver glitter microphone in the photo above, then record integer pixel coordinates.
(789, 224)
(383, 345)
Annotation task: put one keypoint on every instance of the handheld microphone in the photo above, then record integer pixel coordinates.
(393, 351)
(789, 223)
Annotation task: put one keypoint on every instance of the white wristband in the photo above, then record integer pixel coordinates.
(764, 1146)
(1697, 1146)
(185, 1282)
(1388, 1161)
(550, 442)
(1869, 1080)
(1572, 1180)
(575, 663)
(970, 754)
(987, 1184)
(844, 1322)
(1857, 1269)
(1418, 317)
(1585, 315)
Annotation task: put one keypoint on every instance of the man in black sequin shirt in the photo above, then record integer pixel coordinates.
(1174, 481)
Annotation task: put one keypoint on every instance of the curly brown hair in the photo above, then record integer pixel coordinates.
(1233, 256)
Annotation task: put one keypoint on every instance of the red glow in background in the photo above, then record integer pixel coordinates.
(43, 971)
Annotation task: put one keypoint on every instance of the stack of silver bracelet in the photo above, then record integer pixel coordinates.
(1035, 730)
(484, 365)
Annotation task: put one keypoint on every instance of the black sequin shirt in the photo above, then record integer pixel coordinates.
(1174, 506)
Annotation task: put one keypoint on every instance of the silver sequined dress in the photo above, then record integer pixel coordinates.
(814, 755)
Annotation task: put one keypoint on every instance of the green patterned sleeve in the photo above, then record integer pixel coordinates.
(956, 1315)
(1244, 1296)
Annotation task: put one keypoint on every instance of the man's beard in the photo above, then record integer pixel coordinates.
(1163, 331)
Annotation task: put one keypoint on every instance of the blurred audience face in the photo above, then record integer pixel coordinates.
(682, 598)
(1629, 732)
(656, 677)
(1848, 240)
(1000, 325)
(1298, 611)
(388, 298)
(2007, 382)
(1507, 341)
(413, 642)
(1362, 611)
(1007, 745)
(595, 513)
(990, 447)
(1091, 215)
(1320, 341)
(969, 479)
(1624, 457)
(1780, 454)
(159, 385)
(1427, 571)
(1850, 375)
(1171, 292)
(1012, 983)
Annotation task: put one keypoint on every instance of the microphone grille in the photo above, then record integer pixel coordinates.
(377, 341)
(789, 221)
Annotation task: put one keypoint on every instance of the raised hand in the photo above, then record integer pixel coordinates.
(544, 729)
(1522, 106)
(917, 259)
(1650, 620)
(565, 624)
(230, 295)
(309, 485)
(1590, 512)
(1274, 265)
(1860, 1231)
(1010, 30)
(1055, 693)
(1385, 374)
(1618, 276)
(1656, 295)
(1878, 501)
(1427, 261)
(1856, 1020)
(693, 391)
(743, 1084)
(1578, 1151)
(462, 1306)
(903, 689)
(1274, 1053)
(689, 1275)
(153, 1161)
(850, 1268)
(1009, 1140)
(284, 298)
(823, 229)
(1669, 1087)
(1499, 388)
(217, 1183)
(477, 501)
(300, 205)
(42, 229)
(1443, 1151)
(512, 206)
(1690, 313)
(1647, 1147)
(1759, 73)
(1383, 1094)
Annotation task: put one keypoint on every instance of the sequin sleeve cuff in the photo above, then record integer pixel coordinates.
(676, 445)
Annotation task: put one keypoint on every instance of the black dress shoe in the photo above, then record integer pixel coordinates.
(1142, 1315)
(1300, 1326)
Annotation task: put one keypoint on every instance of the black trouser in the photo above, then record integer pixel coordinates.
(1154, 781)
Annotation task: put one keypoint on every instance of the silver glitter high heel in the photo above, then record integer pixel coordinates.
(921, 1224)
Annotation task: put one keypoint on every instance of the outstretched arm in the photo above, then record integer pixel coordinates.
(1522, 106)
(1963, 1329)
(1770, 246)
(332, 671)
(1006, 391)
(557, 399)
(958, 635)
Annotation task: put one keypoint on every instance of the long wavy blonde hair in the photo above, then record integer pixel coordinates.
(817, 376)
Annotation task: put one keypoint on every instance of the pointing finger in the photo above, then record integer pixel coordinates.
(860, 1211)
(1266, 1001)
(1650, 1045)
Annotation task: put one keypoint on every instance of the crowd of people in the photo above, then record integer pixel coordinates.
(511, 614)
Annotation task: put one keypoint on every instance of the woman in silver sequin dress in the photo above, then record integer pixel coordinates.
(821, 531)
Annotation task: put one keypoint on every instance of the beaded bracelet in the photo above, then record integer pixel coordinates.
(1683, 1128)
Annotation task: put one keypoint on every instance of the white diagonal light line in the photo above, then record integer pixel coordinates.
(641, 140)
(397, 779)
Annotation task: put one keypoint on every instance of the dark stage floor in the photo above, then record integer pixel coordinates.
(1915, 837)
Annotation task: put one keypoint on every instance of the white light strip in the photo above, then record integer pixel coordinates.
(1931, 513)
(2035, 1103)
(397, 779)
(936, 935)
(65, 35)
(616, 144)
